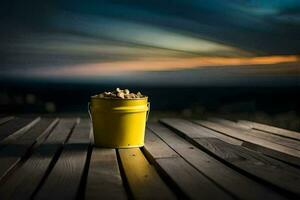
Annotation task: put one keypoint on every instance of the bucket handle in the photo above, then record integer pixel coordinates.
(89, 111)
(148, 111)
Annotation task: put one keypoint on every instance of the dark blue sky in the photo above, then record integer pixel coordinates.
(119, 40)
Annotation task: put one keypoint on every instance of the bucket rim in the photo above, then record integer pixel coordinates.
(117, 99)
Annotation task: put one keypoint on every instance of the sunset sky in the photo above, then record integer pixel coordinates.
(152, 42)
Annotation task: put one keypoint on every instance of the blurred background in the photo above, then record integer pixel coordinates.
(237, 59)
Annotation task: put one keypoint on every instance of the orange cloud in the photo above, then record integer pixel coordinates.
(166, 64)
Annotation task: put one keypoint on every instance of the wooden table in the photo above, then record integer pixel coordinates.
(54, 158)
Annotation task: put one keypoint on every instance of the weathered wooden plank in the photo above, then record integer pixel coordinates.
(143, 180)
(269, 170)
(189, 181)
(64, 179)
(62, 131)
(229, 123)
(81, 133)
(292, 160)
(247, 137)
(11, 154)
(16, 127)
(104, 180)
(288, 142)
(192, 183)
(271, 129)
(26, 179)
(274, 154)
(224, 176)
(5, 119)
(156, 147)
(196, 131)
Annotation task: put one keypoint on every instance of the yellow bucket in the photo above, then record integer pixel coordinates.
(119, 123)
